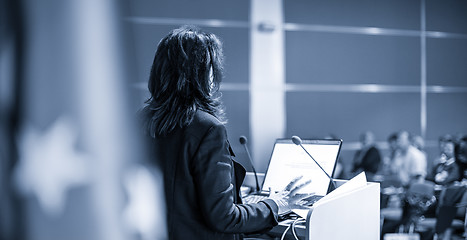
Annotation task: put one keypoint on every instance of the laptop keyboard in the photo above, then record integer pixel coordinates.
(254, 198)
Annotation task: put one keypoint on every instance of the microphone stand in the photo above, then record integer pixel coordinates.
(298, 141)
(243, 141)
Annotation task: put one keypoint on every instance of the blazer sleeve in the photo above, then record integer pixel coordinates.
(212, 169)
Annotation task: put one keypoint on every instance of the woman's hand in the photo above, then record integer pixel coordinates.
(288, 197)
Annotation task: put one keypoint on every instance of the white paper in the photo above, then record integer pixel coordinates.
(354, 183)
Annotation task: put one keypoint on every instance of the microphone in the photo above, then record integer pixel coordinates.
(243, 142)
(298, 141)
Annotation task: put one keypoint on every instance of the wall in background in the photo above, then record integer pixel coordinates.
(349, 66)
(229, 20)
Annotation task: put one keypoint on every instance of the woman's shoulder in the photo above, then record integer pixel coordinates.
(206, 119)
(203, 122)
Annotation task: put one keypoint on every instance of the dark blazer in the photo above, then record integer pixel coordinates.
(202, 184)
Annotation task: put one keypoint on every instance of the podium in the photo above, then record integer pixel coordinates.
(351, 215)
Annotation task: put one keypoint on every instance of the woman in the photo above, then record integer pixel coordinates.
(453, 198)
(185, 122)
(446, 169)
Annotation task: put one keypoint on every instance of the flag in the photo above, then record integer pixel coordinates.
(80, 169)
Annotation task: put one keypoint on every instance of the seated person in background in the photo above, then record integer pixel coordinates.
(388, 167)
(412, 161)
(419, 143)
(453, 194)
(445, 170)
(368, 157)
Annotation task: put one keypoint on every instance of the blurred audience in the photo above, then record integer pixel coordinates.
(418, 142)
(412, 162)
(368, 158)
(445, 170)
(453, 197)
(387, 166)
(406, 162)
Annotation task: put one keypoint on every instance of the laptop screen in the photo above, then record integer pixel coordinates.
(289, 161)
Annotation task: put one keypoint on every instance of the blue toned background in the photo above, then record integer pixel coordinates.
(349, 67)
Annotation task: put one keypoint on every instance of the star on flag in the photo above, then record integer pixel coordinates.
(49, 165)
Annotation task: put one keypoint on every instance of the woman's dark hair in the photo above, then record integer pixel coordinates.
(185, 77)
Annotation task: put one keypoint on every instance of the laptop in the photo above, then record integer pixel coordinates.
(289, 161)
